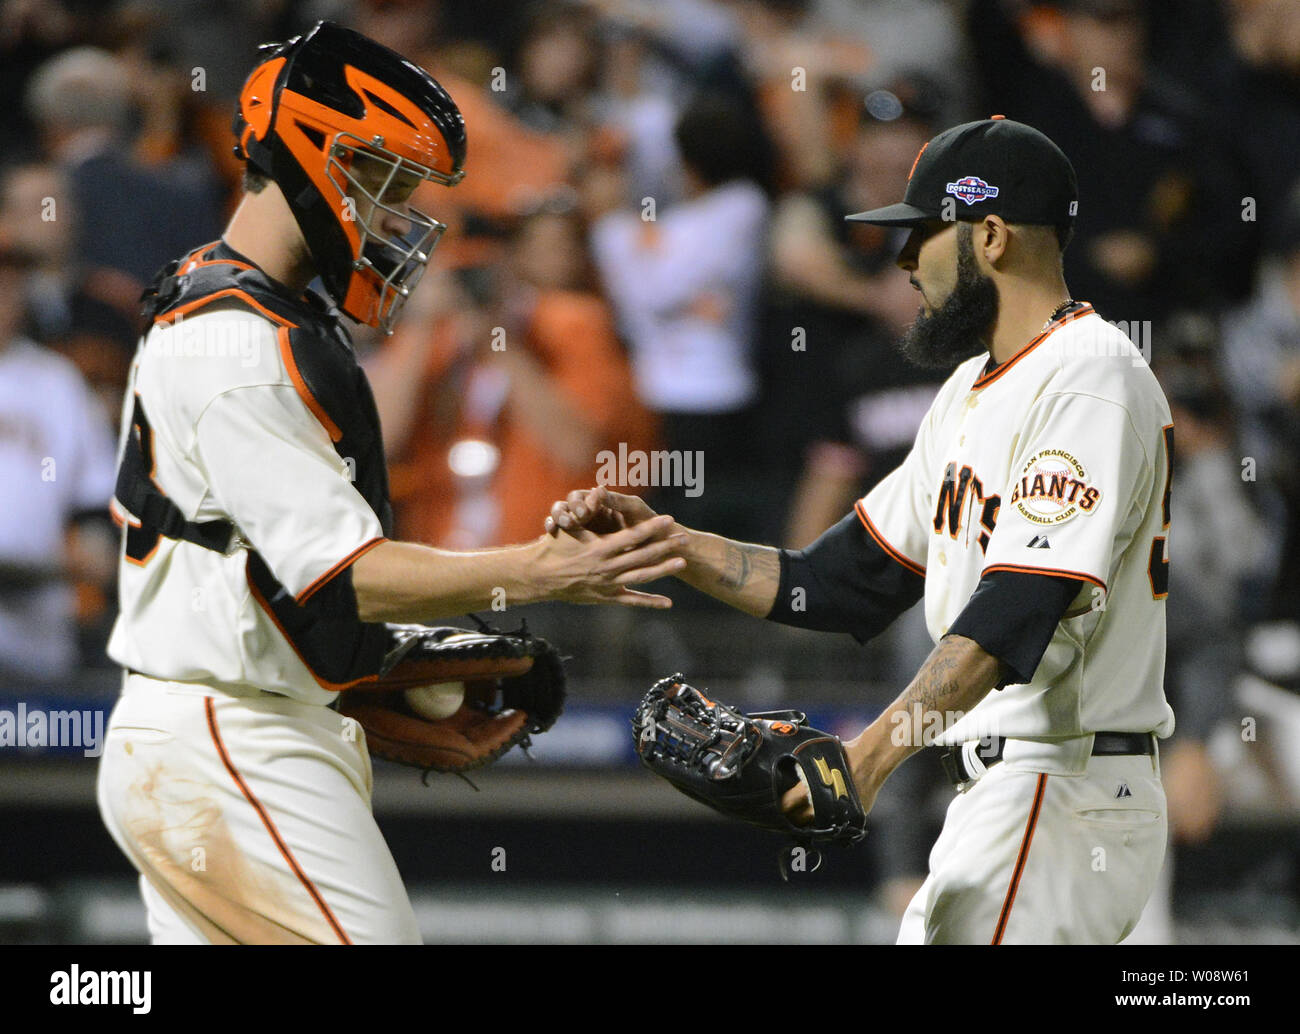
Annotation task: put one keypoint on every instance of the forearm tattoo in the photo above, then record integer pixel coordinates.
(743, 561)
(939, 679)
(737, 566)
(743, 576)
(956, 676)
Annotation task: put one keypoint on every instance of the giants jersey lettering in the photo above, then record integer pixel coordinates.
(1056, 462)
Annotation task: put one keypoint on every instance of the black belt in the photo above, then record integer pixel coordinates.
(1104, 744)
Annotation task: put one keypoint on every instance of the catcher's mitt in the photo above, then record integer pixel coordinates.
(514, 688)
(741, 764)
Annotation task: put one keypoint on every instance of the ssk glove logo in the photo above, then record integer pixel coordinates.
(1054, 488)
(971, 189)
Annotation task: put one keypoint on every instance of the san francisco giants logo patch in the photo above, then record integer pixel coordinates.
(1054, 488)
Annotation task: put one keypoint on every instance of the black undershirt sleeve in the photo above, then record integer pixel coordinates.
(1012, 615)
(844, 582)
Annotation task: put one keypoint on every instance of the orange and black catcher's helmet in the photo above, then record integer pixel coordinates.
(346, 127)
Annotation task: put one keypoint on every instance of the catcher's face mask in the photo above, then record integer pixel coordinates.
(392, 241)
(347, 128)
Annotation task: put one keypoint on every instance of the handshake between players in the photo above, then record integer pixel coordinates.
(744, 576)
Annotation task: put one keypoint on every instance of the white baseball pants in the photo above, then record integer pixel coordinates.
(1027, 857)
(249, 819)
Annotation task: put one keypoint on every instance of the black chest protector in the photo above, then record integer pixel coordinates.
(323, 627)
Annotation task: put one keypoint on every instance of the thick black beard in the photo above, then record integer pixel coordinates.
(963, 325)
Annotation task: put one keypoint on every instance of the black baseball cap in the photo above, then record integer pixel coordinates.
(993, 166)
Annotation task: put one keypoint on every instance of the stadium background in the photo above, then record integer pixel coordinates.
(1183, 120)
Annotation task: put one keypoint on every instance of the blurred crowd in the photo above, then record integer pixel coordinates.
(648, 253)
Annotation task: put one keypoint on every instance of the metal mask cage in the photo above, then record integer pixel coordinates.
(397, 262)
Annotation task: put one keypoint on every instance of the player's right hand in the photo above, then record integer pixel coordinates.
(584, 567)
(597, 510)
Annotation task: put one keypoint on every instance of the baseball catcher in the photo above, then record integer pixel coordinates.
(742, 764)
(266, 611)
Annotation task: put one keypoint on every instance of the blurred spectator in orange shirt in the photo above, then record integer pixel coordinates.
(524, 382)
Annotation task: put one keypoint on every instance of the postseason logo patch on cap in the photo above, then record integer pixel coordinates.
(971, 189)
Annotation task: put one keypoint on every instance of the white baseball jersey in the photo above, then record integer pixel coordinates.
(1056, 461)
(235, 436)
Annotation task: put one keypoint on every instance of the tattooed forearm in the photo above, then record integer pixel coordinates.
(939, 680)
(739, 563)
(955, 677)
(740, 574)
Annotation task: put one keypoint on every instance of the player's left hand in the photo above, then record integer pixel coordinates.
(736, 763)
(797, 804)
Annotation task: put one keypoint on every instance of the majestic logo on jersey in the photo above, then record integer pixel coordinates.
(1054, 488)
(971, 189)
(962, 490)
